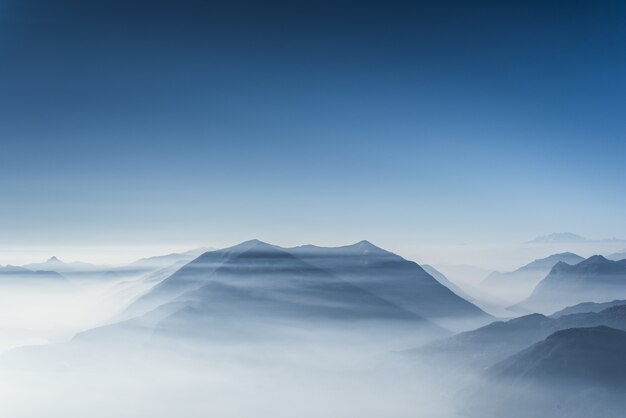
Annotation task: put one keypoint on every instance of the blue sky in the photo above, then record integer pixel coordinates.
(197, 122)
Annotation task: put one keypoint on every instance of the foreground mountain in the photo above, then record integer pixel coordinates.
(595, 279)
(495, 342)
(573, 373)
(519, 284)
(587, 307)
(575, 355)
(363, 266)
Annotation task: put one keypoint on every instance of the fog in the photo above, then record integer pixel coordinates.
(312, 373)
(261, 330)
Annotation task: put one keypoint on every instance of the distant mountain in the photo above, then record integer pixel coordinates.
(576, 355)
(587, 307)
(13, 275)
(498, 340)
(617, 256)
(518, 284)
(163, 261)
(558, 238)
(569, 238)
(595, 279)
(54, 264)
(363, 267)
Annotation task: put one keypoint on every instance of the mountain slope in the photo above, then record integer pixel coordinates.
(395, 279)
(496, 341)
(441, 278)
(519, 284)
(587, 307)
(617, 256)
(595, 279)
(583, 355)
(163, 261)
(251, 290)
(382, 274)
(54, 264)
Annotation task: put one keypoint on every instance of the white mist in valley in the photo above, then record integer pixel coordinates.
(261, 330)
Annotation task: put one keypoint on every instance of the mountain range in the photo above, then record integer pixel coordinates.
(495, 342)
(595, 279)
(516, 285)
(14, 275)
(573, 355)
(302, 279)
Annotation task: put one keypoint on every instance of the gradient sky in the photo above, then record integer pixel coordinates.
(188, 122)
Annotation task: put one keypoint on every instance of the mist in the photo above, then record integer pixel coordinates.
(262, 330)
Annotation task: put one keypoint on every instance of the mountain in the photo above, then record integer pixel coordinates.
(395, 279)
(595, 279)
(253, 289)
(363, 266)
(617, 256)
(572, 373)
(163, 261)
(587, 307)
(517, 285)
(576, 355)
(54, 264)
(498, 340)
(13, 275)
(441, 278)
(558, 238)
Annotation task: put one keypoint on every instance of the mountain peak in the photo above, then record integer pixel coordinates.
(365, 245)
(53, 259)
(251, 244)
(597, 259)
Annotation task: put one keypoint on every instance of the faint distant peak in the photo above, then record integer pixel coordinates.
(54, 259)
(557, 238)
(569, 238)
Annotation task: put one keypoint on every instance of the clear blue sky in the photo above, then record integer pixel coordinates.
(213, 122)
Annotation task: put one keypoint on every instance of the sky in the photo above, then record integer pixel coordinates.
(174, 124)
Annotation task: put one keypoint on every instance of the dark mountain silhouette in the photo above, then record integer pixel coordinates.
(572, 373)
(498, 340)
(576, 355)
(386, 276)
(587, 307)
(595, 279)
(248, 289)
(395, 279)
